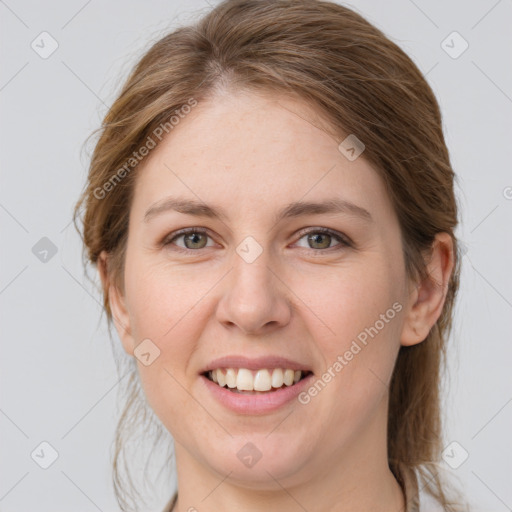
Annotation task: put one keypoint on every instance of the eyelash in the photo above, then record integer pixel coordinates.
(343, 240)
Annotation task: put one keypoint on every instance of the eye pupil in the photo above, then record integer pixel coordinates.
(314, 239)
(193, 237)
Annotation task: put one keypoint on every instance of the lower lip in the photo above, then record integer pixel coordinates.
(256, 404)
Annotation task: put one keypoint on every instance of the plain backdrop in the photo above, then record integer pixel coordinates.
(58, 379)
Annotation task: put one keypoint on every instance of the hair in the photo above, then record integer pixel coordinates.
(362, 83)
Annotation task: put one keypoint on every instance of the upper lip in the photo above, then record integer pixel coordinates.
(257, 363)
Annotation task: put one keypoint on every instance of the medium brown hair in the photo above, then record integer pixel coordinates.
(363, 84)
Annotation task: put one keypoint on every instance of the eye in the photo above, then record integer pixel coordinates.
(193, 238)
(316, 238)
(321, 238)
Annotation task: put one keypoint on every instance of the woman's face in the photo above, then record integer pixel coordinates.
(260, 282)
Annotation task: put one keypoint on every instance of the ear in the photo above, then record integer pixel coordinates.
(117, 304)
(427, 297)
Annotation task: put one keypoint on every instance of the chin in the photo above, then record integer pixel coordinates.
(256, 461)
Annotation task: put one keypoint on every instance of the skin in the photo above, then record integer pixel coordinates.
(252, 154)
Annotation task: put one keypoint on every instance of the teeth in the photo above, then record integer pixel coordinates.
(288, 377)
(261, 380)
(244, 380)
(221, 378)
(277, 378)
(231, 378)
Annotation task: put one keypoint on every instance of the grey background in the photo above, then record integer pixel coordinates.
(58, 379)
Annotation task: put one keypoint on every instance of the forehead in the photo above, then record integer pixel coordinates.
(240, 149)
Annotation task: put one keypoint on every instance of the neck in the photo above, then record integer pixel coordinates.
(356, 478)
(396, 501)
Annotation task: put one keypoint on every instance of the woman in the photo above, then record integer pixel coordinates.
(270, 206)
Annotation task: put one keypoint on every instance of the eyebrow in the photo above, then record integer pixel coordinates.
(295, 209)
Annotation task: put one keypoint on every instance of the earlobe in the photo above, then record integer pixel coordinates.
(117, 305)
(428, 297)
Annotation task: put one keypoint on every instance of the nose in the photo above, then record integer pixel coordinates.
(255, 298)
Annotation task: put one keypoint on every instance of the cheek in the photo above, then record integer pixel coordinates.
(345, 302)
(162, 300)
(356, 328)
(163, 307)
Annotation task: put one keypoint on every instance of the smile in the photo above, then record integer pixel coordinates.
(243, 380)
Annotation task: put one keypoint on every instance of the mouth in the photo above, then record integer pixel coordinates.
(255, 382)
